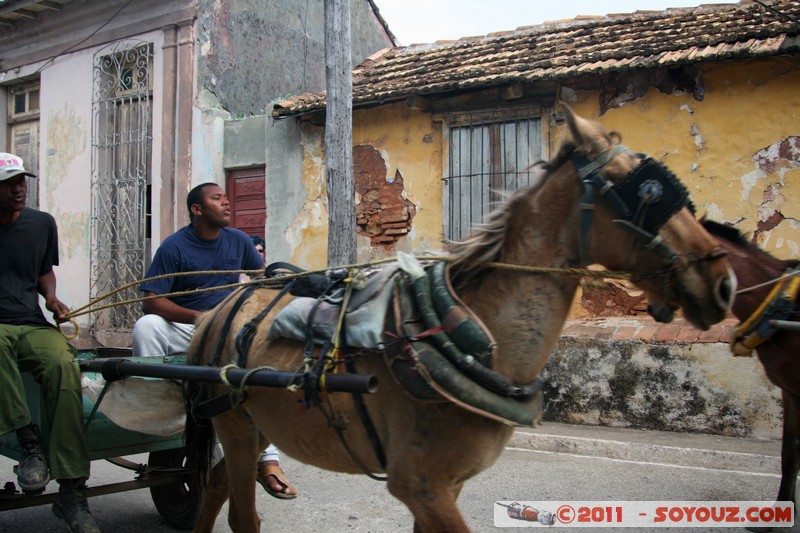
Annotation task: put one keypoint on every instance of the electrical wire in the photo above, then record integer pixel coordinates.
(106, 23)
(778, 11)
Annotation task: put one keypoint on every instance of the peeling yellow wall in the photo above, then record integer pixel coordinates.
(409, 143)
(727, 147)
(737, 151)
(307, 234)
(730, 149)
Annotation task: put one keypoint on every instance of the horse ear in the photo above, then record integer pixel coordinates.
(584, 132)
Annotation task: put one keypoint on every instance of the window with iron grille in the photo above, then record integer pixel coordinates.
(121, 173)
(489, 153)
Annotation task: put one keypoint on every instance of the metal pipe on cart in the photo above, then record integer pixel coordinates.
(786, 325)
(116, 368)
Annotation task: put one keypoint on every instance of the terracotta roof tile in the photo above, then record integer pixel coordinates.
(564, 49)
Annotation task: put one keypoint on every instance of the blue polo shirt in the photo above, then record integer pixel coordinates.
(184, 251)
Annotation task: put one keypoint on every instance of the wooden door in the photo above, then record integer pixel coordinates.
(246, 193)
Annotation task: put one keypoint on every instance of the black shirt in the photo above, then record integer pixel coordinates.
(28, 249)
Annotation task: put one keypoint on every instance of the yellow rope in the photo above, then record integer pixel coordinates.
(77, 312)
(73, 335)
(92, 306)
(746, 337)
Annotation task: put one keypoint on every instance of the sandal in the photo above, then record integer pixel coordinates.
(265, 470)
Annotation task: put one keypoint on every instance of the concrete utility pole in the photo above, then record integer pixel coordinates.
(339, 135)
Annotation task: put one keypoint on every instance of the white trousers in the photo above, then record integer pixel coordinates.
(154, 336)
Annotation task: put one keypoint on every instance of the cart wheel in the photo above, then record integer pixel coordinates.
(177, 503)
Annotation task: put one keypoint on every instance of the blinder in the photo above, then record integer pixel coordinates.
(645, 199)
(657, 192)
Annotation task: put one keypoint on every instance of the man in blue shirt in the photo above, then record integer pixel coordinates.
(206, 244)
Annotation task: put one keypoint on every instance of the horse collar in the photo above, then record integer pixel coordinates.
(778, 305)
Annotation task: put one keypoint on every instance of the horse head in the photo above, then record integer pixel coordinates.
(632, 202)
(601, 203)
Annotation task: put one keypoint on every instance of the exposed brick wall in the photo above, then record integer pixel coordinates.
(647, 330)
(382, 213)
(610, 299)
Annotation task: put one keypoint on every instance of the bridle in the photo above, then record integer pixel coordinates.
(645, 199)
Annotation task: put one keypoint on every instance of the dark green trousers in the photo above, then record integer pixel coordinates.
(46, 354)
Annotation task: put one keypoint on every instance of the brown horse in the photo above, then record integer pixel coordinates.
(779, 353)
(432, 448)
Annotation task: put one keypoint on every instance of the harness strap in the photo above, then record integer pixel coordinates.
(589, 167)
(340, 345)
(216, 406)
(589, 174)
(207, 330)
(245, 336)
(778, 305)
(361, 407)
(198, 399)
(655, 242)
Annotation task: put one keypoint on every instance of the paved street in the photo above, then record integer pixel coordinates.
(343, 503)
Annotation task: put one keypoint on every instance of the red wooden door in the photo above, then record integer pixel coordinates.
(246, 193)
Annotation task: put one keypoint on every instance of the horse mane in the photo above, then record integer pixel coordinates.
(734, 236)
(487, 239)
(728, 232)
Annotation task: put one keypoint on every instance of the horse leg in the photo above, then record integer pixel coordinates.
(240, 441)
(790, 447)
(214, 497)
(437, 513)
(432, 503)
(790, 452)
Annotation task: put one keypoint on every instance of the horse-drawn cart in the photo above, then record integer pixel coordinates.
(172, 485)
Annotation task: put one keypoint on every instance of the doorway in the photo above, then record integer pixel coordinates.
(246, 190)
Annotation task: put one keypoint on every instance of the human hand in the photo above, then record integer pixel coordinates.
(58, 308)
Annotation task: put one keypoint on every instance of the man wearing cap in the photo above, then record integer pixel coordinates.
(29, 343)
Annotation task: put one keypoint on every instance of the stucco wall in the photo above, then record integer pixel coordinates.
(65, 166)
(250, 53)
(244, 142)
(254, 51)
(407, 145)
(65, 156)
(666, 386)
(737, 150)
